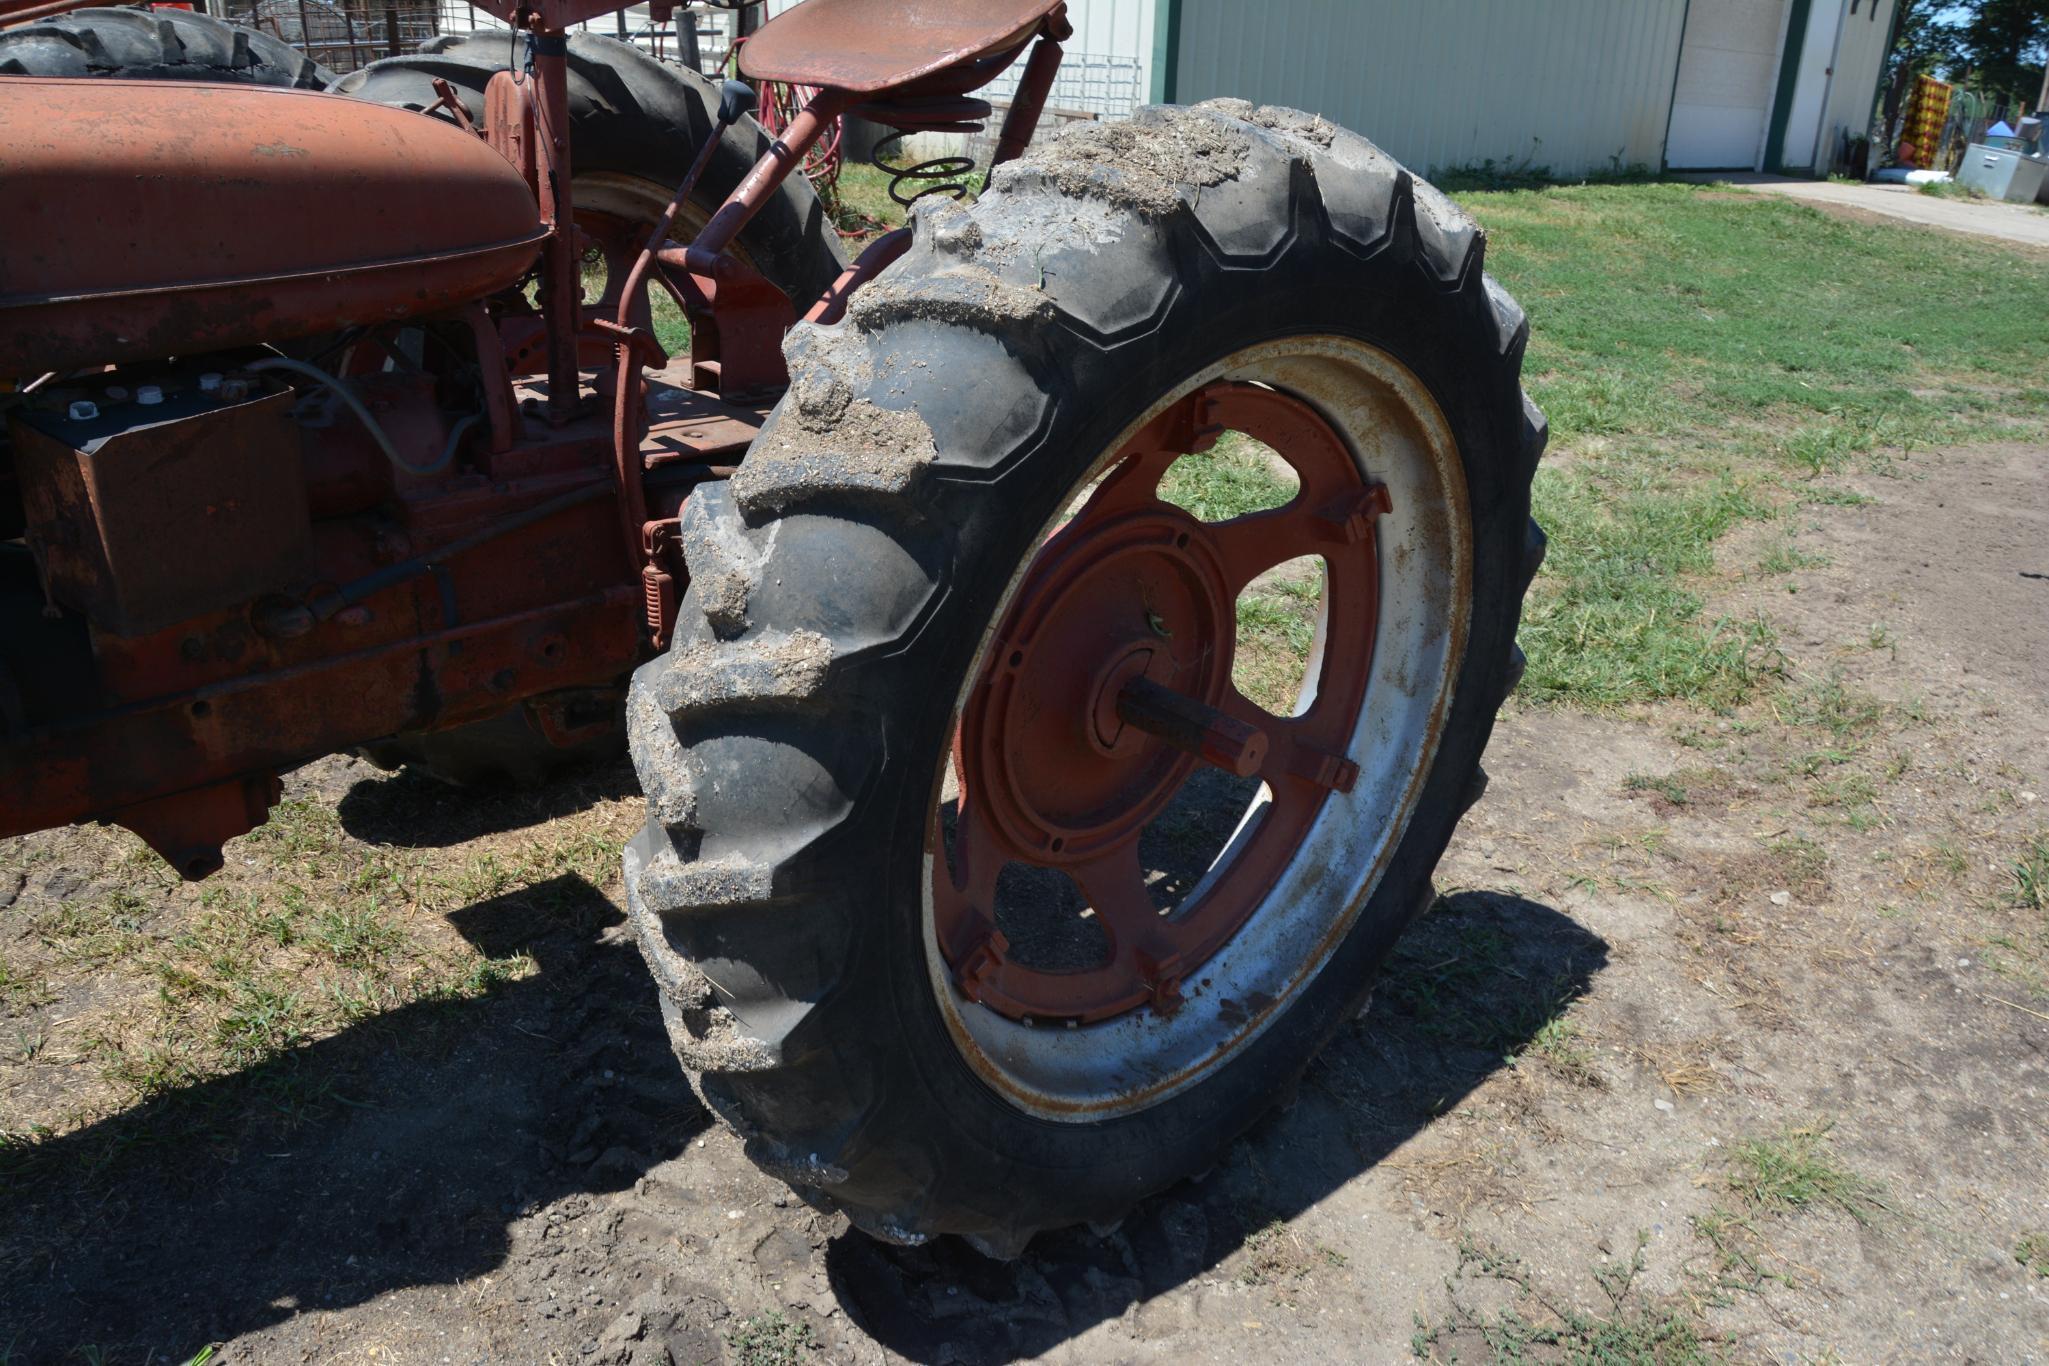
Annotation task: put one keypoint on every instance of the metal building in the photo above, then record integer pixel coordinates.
(1574, 86)
(1570, 85)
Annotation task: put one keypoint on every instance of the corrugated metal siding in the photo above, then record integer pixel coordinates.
(1858, 64)
(1838, 80)
(1573, 85)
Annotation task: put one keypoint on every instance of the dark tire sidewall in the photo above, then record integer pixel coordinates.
(929, 1097)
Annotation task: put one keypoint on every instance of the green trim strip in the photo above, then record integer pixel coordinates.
(1166, 50)
(1665, 147)
(1789, 77)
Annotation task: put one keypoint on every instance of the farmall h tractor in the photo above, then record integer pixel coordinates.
(980, 898)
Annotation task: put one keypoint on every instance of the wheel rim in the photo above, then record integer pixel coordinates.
(1104, 694)
(1130, 607)
(614, 214)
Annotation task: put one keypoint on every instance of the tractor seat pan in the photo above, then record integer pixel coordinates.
(865, 46)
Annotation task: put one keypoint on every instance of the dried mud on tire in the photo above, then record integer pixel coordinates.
(843, 579)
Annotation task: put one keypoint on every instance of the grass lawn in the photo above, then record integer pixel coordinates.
(1706, 358)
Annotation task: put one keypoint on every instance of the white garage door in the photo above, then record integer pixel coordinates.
(1728, 63)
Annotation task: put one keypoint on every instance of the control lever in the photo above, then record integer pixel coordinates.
(735, 99)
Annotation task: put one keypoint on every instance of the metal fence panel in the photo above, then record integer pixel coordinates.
(1108, 67)
(632, 24)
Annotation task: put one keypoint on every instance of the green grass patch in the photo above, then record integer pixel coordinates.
(1276, 616)
(672, 329)
(1703, 355)
(772, 1339)
(859, 200)
(1276, 1258)
(1950, 189)
(1616, 616)
(1827, 704)
(21, 990)
(1276, 626)
(1559, 1043)
(1743, 1262)
(90, 934)
(1667, 786)
(2030, 890)
(309, 931)
(1799, 1170)
(2032, 1252)
(1235, 477)
(1783, 557)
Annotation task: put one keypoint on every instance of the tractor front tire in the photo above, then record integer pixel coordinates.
(635, 125)
(155, 45)
(887, 683)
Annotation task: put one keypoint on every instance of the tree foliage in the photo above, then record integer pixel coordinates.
(2002, 43)
(1924, 43)
(1996, 46)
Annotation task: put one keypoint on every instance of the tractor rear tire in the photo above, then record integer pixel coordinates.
(854, 597)
(155, 45)
(635, 126)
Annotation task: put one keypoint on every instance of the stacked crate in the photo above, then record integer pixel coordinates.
(1922, 126)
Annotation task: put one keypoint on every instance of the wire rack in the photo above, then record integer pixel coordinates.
(343, 35)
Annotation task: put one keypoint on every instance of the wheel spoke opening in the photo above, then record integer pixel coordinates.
(1194, 834)
(1277, 638)
(1238, 476)
(1048, 921)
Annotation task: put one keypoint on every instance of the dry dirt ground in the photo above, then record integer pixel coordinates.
(1728, 1039)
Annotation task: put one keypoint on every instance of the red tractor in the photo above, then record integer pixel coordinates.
(980, 896)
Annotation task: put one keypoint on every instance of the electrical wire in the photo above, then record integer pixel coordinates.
(334, 385)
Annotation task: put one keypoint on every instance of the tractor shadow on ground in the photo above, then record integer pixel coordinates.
(1468, 988)
(399, 1152)
(408, 1149)
(413, 811)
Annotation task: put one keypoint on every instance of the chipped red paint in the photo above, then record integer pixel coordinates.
(148, 219)
(866, 46)
(528, 557)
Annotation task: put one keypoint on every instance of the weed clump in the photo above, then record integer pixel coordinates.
(1798, 1169)
(771, 1339)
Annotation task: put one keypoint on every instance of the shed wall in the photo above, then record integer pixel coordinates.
(1859, 61)
(1572, 85)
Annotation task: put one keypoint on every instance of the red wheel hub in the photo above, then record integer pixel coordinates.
(1109, 683)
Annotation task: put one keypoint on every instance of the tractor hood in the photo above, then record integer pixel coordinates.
(145, 219)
